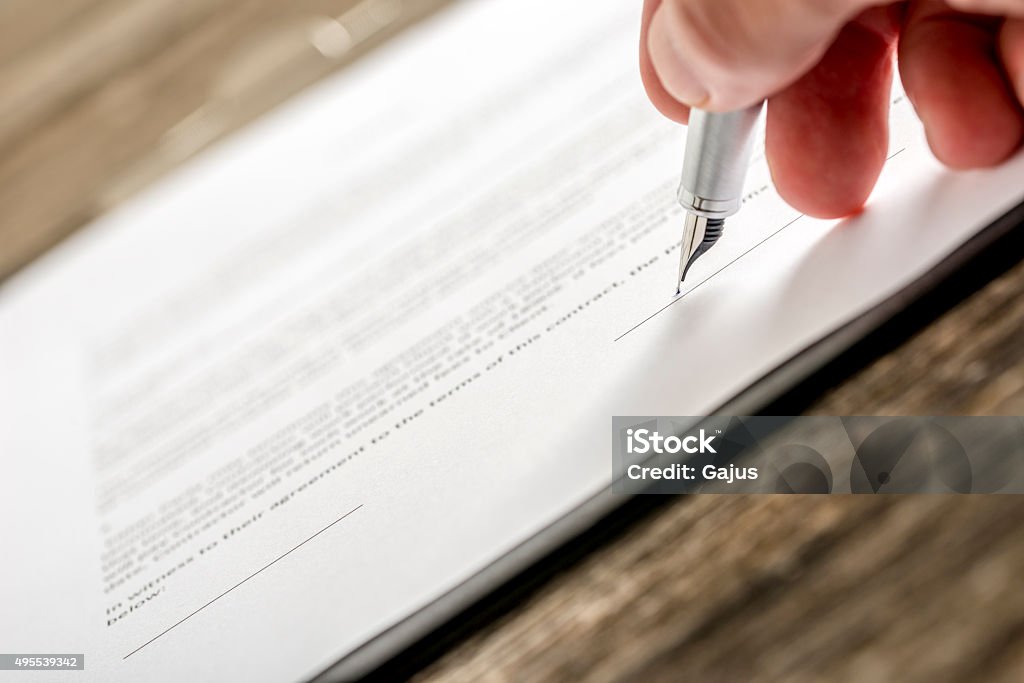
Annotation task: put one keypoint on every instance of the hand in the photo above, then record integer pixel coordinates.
(826, 68)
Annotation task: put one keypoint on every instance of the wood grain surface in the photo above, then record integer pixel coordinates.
(98, 97)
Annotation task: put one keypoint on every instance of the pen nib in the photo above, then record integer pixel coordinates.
(699, 234)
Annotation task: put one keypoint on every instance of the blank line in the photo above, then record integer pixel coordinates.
(687, 293)
(895, 153)
(694, 288)
(241, 582)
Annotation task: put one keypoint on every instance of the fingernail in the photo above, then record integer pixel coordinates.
(670, 64)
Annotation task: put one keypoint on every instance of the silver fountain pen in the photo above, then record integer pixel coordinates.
(715, 164)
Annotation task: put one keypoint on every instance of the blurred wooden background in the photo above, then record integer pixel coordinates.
(99, 97)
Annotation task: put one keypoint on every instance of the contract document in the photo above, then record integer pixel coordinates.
(334, 367)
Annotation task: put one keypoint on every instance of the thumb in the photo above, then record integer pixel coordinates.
(722, 55)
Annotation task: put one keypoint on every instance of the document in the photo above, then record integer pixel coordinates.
(335, 366)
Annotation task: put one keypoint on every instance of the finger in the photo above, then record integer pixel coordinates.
(994, 7)
(827, 135)
(665, 103)
(726, 54)
(1011, 50)
(952, 75)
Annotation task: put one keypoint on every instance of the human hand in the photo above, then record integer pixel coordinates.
(826, 68)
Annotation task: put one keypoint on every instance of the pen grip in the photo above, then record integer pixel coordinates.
(718, 147)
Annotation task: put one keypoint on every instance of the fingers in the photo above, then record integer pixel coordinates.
(827, 70)
(1011, 50)
(827, 134)
(722, 55)
(952, 73)
(665, 103)
(996, 7)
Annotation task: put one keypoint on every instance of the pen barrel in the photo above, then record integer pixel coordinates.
(718, 147)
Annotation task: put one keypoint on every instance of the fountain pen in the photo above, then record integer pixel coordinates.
(715, 164)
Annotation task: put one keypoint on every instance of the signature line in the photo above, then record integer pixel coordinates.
(281, 557)
(694, 288)
(687, 292)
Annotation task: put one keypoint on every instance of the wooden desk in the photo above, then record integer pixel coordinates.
(97, 97)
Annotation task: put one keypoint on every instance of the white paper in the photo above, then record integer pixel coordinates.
(404, 297)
